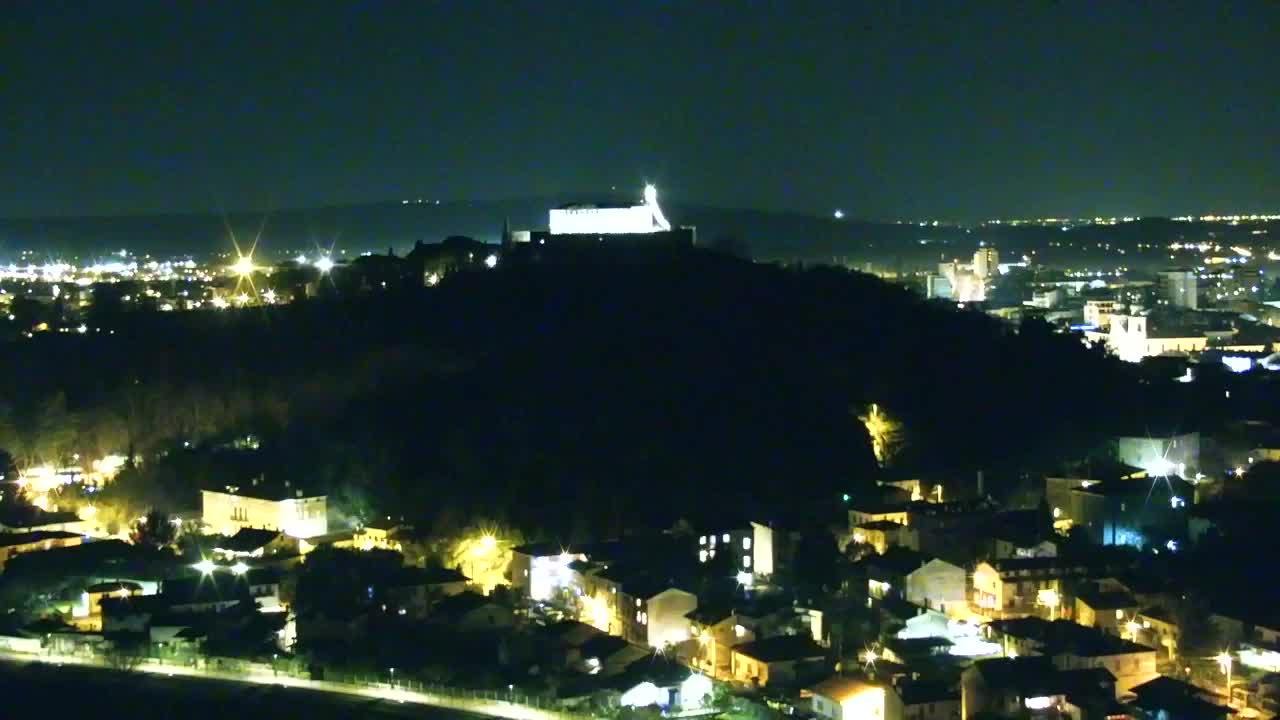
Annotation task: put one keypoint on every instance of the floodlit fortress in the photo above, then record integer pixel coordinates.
(581, 225)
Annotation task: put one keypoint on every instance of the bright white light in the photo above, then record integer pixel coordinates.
(694, 691)
(269, 296)
(838, 214)
(1237, 364)
(1038, 703)
(744, 578)
(324, 263)
(491, 262)
(244, 265)
(239, 568)
(1172, 545)
(301, 259)
(206, 566)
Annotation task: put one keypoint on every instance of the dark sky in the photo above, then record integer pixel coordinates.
(928, 109)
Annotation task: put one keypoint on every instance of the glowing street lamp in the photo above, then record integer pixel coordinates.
(1225, 662)
(244, 266)
(205, 566)
(239, 568)
(324, 263)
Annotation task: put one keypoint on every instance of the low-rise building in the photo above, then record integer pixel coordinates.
(254, 543)
(1109, 611)
(713, 634)
(1165, 698)
(884, 534)
(1019, 587)
(265, 506)
(840, 697)
(1071, 646)
(777, 660)
(36, 540)
(924, 700)
(1015, 687)
(937, 585)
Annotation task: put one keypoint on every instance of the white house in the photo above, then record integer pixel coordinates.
(265, 507)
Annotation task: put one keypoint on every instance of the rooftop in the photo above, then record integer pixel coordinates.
(114, 587)
(919, 692)
(1037, 676)
(264, 490)
(247, 540)
(1066, 637)
(1105, 600)
(781, 648)
(35, 536)
(1179, 699)
(841, 688)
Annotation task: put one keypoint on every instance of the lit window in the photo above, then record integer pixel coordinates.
(702, 556)
(644, 618)
(726, 537)
(1119, 614)
(637, 616)
(702, 539)
(637, 602)
(746, 543)
(746, 561)
(713, 541)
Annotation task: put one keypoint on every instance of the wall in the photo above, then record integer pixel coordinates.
(226, 513)
(667, 621)
(938, 585)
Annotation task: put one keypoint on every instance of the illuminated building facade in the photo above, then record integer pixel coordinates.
(753, 550)
(845, 698)
(265, 507)
(1177, 288)
(591, 219)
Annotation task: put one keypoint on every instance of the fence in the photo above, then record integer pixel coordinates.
(499, 703)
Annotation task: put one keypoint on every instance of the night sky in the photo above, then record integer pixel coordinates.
(931, 109)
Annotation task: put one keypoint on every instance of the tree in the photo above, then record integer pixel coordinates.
(154, 531)
(885, 432)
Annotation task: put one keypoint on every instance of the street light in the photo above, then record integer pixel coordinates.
(1225, 662)
(1049, 598)
(205, 566)
(239, 568)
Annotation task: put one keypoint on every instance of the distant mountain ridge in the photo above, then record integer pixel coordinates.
(397, 225)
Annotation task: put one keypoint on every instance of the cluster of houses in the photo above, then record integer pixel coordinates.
(945, 609)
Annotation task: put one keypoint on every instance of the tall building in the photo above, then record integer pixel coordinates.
(986, 262)
(1178, 288)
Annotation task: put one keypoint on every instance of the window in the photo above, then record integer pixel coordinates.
(702, 556)
(702, 539)
(746, 561)
(746, 543)
(726, 537)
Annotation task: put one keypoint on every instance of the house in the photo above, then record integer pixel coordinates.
(875, 510)
(634, 604)
(884, 534)
(15, 543)
(265, 506)
(539, 570)
(1158, 628)
(778, 660)
(713, 632)
(1011, 687)
(203, 594)
(1071, 646)
(415, 589)
(471, 611)
(384, 534)
(88, 614)
(1024, 586)
(925, 700)
(607, 655)
(254, 543)
(1161, 453)
(756, 549)
(937, 584)
(264, 588)
(1165, 698)
(1109, 611)
(840, 697)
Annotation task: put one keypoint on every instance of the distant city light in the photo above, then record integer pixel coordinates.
(205, 566)
(324, 263)
(239, 568)
(838, 214)
(491, 261)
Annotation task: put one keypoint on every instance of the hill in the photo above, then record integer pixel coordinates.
(576, 398)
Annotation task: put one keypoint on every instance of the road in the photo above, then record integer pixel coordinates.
(61, 686)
